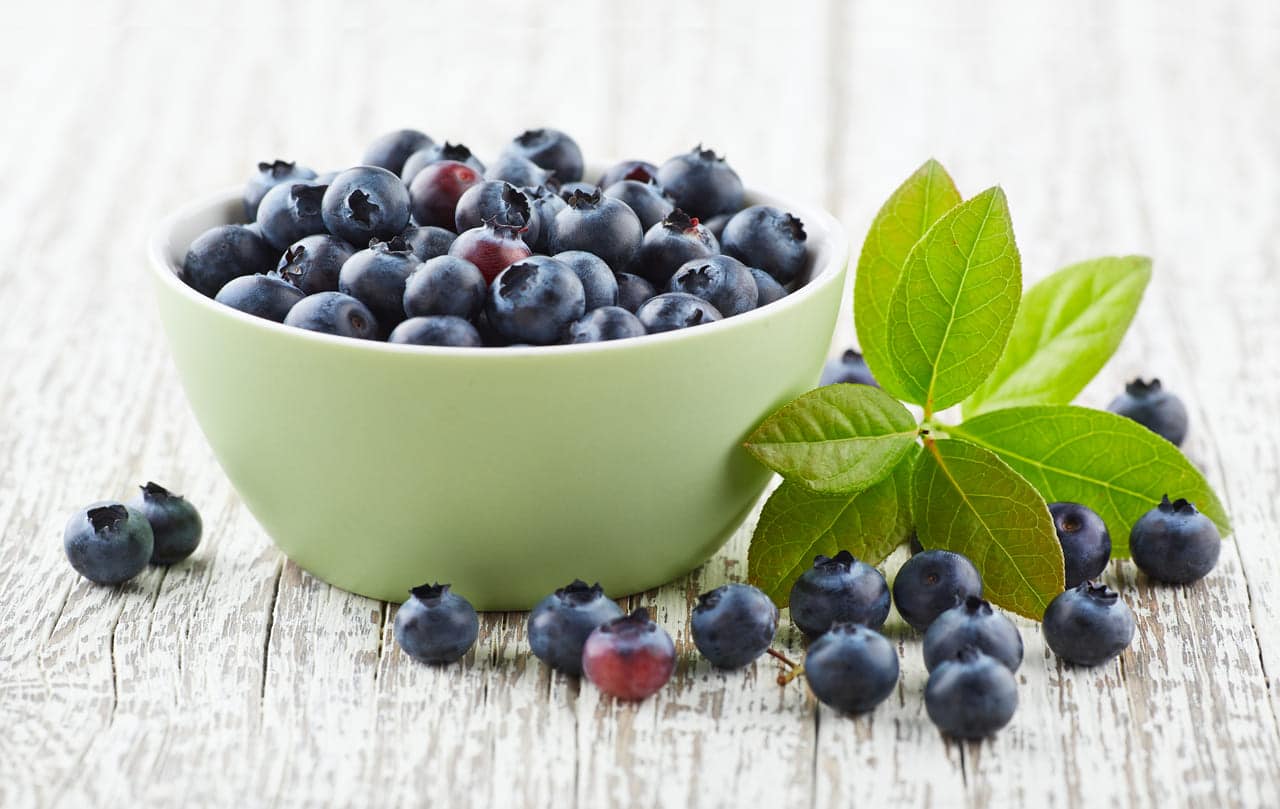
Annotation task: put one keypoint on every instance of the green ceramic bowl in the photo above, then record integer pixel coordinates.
(505, 471)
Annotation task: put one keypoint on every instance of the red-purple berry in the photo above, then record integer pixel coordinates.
(630, 657)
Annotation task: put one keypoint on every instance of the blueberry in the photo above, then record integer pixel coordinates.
(1086, 543)
(552, 150)
(1154, 408)
(851, 668)
(849, 367)
(428, 242)
(175, 524)
(434, 153)
(503, 203)
(769, 238)
(445, 285)
(437, 330)
(839, 590)
(391, 150)
(647, 200)
(333, 313)
(435, 190)
(675, 310)
(972, 623)
(671, 243)
(597, 224)
(265, 296)
(108, 542)
(639, 170)
(491, 247)
(546, 204)
(768, 287)
(291, 211)
(533, 301)
(366, 203)
(267, 177)
(598, 281)
(733, 625)
(604, 323)
(1088, 624)
(560, 624)
(377, 278)
(701, 183)
(633, 290)
(720, 280)
(222, 253)
(436, 625)
(971, 696)
(1174, 542)
(629, 657)
(932, 582)
(520, 172)
(312, 264)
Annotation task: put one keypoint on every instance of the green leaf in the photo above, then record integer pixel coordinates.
(952, 310)
(1111, 464)
(836, 439)
(967, 500)
(1067, 328)
(906, 215)
(797, 524)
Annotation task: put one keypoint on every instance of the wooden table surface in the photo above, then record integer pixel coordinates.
(236, 679)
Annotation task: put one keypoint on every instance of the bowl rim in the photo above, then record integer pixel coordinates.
(823, 275)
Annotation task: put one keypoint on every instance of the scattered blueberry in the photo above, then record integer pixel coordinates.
(1174, 542)
(604, 323)
(701, 183)
(498, 202)
(391, 150)
(598, 281)
(675, 310)
(175, 524)
(629, 658)
(520, 172)
(633, 290)
(671, 243)
(720, 280)
(267, 177)
(333, 313)
(265, 296)
(597, 224)
(972, 623)
(849, 367)
(428, 242)
(108, 542)
(435, 190)
(434, 153)
(312, 264)
(491, 247)
(534, 300)
(1088, 624)
(436, 330)
(560, 624)
(769, 238)
(445, 285)
(651, 206)
(436, 625)
(377, 278)
(733, 625)
(222, 253)
(851, 668)
(932, 582)
(971, 696)
(552, 150)
(291, 211)
(1154, 408)
(768, 287)
(639, 170)
(839, 590)
(1086, 543)
(366, 203)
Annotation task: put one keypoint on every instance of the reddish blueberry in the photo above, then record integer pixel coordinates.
(629, 658)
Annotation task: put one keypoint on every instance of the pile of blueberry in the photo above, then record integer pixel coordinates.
(424, 244)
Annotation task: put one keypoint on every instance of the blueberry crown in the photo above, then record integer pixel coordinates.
(705, 154)
(154, 491)
(1139, 388)
(843, 560)
(516, 200)
(396, 244)
(711, 598)
(104, 517)
(641, 175)
(294, 253)
(531, 136)
(507, 229)
(680, 221)
(638, 621)
(455, 151)
(851, 355)
(1179, 506)
(278, 168)
(974, 605)
(1098, 591)
(430, 593)
(794, 227)
(578, 592)
(363, 208)
(579, 198)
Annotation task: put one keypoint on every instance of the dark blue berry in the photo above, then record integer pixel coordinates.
(498, 202)
(971, 696)
(671, 243)
(312, 264)
(108, 542)
(291, 211)
(546, 204)
(445, 285)
(604, 323)
(972, 623)
(733, 625)
(851, 668)
(597, 224)
(839, 590)
(932, 582)
(436, 625)
(721, 280)
(639, 170)
(333, 313)
(377, 278)
(769, 238)
(436, 330)
(1174, 542)
(651, 206)
(222, 253)
(366, 203)
(560, 624)
(520, 172)
(434, 153)
(633, 291)
(1154, 408)
(598, 281)
(701, 183)
(552, 150)
(849, 367)
(175, 524)
(675, 310)
(390, 151)
(428, 242)
(1088, 625)
(267, 177)
(1086, 543)
(534, 301)
(768, 287)
(265, 296)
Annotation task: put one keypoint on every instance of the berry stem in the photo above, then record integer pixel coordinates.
(793, 671)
